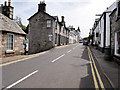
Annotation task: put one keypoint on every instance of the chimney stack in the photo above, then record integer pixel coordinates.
(42, 6)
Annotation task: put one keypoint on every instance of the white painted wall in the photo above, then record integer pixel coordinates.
(108, 12)
(107, 43)
(102, 32)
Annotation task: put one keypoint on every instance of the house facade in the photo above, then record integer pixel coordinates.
(11, 35)
(101, 29)
(115, 32)
(46, 31)
(41, 30)
(106, 32)
(74, 35)
(61, 32)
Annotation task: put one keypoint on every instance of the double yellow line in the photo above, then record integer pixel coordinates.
(93, 66)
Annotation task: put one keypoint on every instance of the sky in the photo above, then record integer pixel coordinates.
(76, 12)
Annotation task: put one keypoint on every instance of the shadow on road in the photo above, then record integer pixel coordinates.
(86, 82)
(85, 54)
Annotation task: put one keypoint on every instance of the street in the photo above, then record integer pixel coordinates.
(73, 66)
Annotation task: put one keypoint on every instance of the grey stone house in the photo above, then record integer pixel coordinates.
(46, 31)
(41, 30)
(115, 32)
(11, 35)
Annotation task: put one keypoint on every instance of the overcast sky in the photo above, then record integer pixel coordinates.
(77, 12)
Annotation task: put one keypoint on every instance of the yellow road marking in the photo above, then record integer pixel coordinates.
(19, 60)
(16, 61)
(93, 74)
(98, 75)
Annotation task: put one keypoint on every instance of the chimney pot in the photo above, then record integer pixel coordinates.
(1, 5)
(5, 3)
(62, 18)
(9, 2)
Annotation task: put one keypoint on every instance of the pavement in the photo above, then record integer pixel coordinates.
(110, 68)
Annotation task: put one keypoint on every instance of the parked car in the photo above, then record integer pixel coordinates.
(85, 41)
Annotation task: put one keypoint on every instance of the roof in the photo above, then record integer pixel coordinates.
(9, 25)
(113, 11)
(42, 12)
(111, 8)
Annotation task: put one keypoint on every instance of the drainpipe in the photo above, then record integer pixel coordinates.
(104, 32)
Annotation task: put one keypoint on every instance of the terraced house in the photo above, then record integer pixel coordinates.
(106, 32)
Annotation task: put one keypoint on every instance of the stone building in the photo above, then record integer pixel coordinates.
(11, 35)
(41, 30)
(115, 32)
(46, 31)
(64, 33)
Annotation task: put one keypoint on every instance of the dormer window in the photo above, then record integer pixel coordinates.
(49, 23)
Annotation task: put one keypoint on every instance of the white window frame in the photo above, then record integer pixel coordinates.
(116, 45)
(7, 43)
(49, 23)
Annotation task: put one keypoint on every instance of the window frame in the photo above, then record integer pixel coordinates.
(7, 43)
(116, 44)
(50, 23)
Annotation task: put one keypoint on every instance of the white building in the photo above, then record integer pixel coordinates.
(102, 29)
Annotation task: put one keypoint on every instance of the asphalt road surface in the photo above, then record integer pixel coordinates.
(73, 66)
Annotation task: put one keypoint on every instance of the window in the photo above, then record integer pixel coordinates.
(10, 42)
(56, 25)
(48, 23)
(117, 43)
(97, 34)
(63, 30)
(55, 38)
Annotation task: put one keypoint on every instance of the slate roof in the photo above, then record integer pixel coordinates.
(112, 7)
(9, 25)
(42, 12)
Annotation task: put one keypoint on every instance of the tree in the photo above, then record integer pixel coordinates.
(18, 20)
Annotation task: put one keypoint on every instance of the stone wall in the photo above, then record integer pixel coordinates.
(0, 44)
(115, 26)
(39, 34)
(18, 45)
